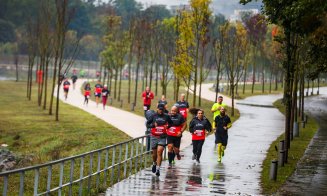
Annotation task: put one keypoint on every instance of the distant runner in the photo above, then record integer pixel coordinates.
(159, 123)
(183, 106)
(87, 93)
(105, 94)
(66, 85)
(223, 123)
(74, 79)
(199, 128)
(175, 134)
(97, 92)
(163, 102)
(147, 97)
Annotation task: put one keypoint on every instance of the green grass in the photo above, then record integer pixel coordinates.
(296, 151)
(205, 104)
(29, 130)
(256, 91)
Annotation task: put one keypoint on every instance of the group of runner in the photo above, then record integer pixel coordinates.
(100, 91)
(166, 128)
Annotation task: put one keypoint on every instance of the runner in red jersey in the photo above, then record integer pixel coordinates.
(87, 93)
(97, 92)
(66, 85)
(147, 97)
(183, 106)
(105, 94)
(199, 127)
(174, 134)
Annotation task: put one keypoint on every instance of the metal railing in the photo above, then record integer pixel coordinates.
(78, 175)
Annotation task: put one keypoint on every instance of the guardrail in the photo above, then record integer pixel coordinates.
(78, 175)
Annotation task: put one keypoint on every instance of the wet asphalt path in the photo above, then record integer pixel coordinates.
(310, 177)
(239, 172)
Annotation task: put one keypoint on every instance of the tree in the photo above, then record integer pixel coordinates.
(234, 54)
(182, 62)
(115, 51)
(7, 32)
(256, 27)
(127, 9)
(296, 17)
(200, 20)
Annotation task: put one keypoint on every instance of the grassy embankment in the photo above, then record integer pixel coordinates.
(34, 135)
(29, 130)
(296, 151)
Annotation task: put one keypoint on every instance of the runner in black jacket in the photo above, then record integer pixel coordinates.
(159, 123)
(223, 123)
(175, 134)
(199, 128)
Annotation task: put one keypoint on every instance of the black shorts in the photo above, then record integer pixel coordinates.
(146, 107)
(221, 139)
(66, 90)
(176, 141)
(97, 94)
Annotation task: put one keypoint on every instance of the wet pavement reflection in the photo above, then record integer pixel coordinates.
(310, 177)
(239, 172)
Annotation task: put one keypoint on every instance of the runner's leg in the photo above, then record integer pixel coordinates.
(199, 149)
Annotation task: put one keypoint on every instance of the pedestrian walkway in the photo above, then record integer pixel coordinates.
(239, 172)
(310, 177)
(131, 124)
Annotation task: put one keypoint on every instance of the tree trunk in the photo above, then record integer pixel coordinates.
(16, 59)
(119, 87)
(46, 84)
(253, 67)
(137, 73)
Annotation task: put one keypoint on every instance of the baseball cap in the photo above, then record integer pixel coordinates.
(161, 107)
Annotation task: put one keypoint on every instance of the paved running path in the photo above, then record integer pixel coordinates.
(239, 173)
(132, 124)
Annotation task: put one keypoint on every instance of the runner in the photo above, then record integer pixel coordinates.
(183, 106)
(159, 123)
(87, 93)
(97, 92)
(223, 123)
(105, 94)
(216, 109)
(147, 97)
(199, 128)
(66, 88)
(175, 134)
(163, 102)
(74, 79)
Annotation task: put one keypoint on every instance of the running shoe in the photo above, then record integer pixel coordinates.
(219, 159)
(173, 162)
(178, 157)
(193, 157)
(153, 168)
(198, 161)
(170, 166)
(158, 172)
(223, 152)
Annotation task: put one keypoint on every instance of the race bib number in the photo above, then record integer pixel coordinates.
(145, 107)
(88, 96)
(199, 132)
(104, 94)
